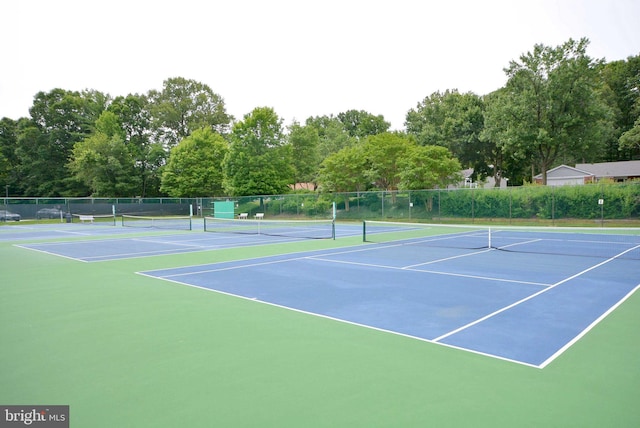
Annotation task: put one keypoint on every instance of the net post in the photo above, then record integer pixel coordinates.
(364, 231)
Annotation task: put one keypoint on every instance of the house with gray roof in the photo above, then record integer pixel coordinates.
(584, 173)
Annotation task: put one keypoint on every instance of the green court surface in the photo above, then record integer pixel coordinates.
(125, 350)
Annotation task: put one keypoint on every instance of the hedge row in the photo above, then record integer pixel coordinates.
(619, 201)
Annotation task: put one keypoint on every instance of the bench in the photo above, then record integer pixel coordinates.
(84, 218)
(259, 216)
(243, 216)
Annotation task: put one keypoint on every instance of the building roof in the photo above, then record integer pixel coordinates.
(600, 170)
(612, 169)
(565, 171)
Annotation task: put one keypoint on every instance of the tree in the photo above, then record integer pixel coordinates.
(344, 171)
(259, 161)
(194, 168)
(631, 139)
(332, 134)
(134, 117)
(59, 119)
(102, 161)
(360, 124)
(384, 153)
(428, 167)
(497, 160)
(183, 106)
(426, 121)
(622, 78)
(8, 160)
(455, 121)
(304, 142)
(554, 107)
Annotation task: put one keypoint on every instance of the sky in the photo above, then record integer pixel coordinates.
(302, 58)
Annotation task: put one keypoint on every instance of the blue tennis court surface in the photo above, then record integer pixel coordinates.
(146, 246)
(513, 306)
(101, 245)
(511, 294)
(56, 231)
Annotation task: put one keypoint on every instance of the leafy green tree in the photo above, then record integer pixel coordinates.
(134, 117)
(194, 168)
(554, 107)
(384, 153)
(428, 167)
(497, 160)
(102, 161)
(390, 160)
(426, 122)
(259, 160)
(304, 141)
(59, 119)
(631, 139)
(332, 134)
(622, 78)
(8, 160)
(344, 171)
(360, 124)
(455, 121)
(183, 106)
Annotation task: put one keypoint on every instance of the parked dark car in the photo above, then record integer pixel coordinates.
(48, 213)
(9, 216)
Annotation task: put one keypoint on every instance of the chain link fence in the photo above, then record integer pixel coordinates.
(593, 202)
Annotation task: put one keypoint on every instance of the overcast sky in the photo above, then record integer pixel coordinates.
(303, 58)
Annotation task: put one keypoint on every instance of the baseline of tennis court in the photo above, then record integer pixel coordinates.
(512, 306)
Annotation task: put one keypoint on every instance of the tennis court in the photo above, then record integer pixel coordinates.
(415, 326)
(521, 300)
(39, 232)
(164, 238)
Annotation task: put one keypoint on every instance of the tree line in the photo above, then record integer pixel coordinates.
(558, 106)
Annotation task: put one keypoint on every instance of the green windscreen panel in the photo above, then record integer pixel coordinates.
(224, 209)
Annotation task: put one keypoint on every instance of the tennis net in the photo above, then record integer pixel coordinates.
(168, 222)
(308, 229)
(101, 219)
(573, 241)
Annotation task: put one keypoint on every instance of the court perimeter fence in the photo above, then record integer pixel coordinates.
(597, 202)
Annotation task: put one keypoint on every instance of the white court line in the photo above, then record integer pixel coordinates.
(320, 257)
(447, 258)
(435, 341)
(435, 272)
(222, 269)
(304, 255)
(370, 327)
(49, 253)
(499, 311)
(588, 329)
